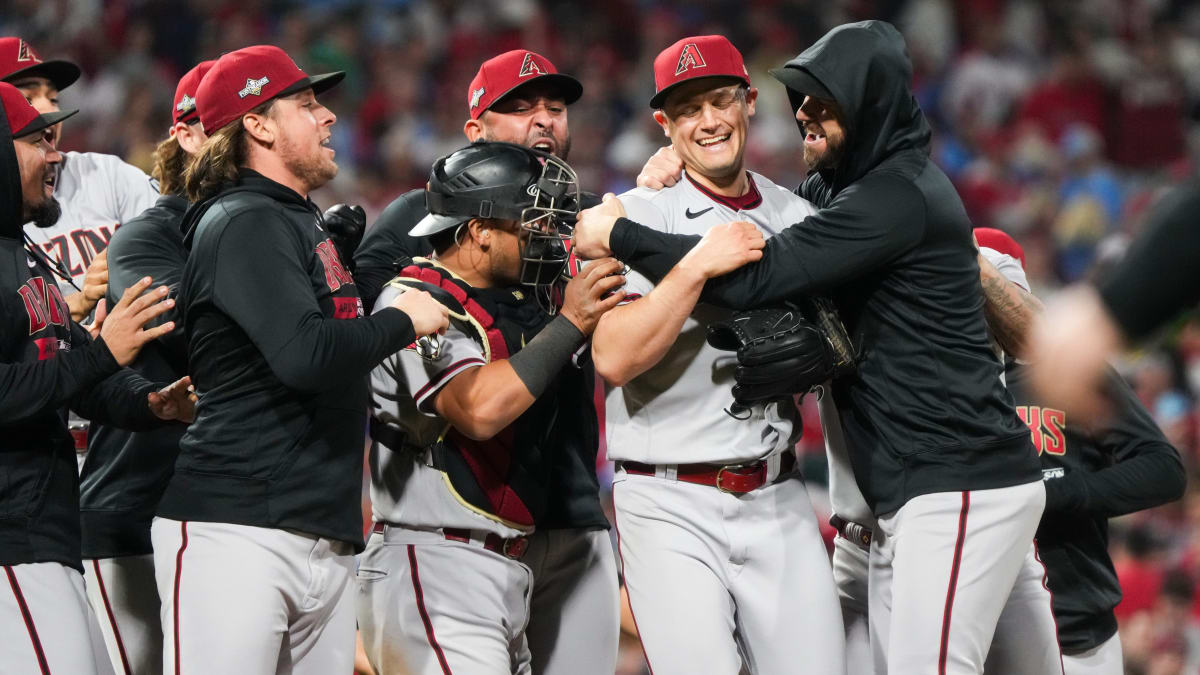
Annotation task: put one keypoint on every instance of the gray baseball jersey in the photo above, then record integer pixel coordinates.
(658, 417)
(97, 193)
(405, 489)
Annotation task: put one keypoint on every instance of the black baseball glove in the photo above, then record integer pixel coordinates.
(346, 225)
(783, 351)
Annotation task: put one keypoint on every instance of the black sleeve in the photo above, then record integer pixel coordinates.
(261, 281)
(387, 240)
(1147, 470)
(868, 224)
(138, 249)
(32, 387)
(1159, 277)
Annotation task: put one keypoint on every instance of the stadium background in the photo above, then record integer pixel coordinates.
(1061, 122)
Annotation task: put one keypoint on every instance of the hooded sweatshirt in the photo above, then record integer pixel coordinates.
(891, 244)
(47, 363)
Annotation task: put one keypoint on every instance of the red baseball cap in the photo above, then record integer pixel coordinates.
(501, 75)
(23, 118)
(184, 109)
(242, 80)
(1001, 242)
(695, 57)
(17, 59)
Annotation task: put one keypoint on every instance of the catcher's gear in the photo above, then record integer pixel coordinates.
(505, 181)
(346, 225)
(783, 351)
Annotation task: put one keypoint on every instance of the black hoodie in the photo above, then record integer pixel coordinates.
(279, 353)
(47, 362)
(926, 411)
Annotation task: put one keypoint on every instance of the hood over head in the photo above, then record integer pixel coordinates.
(865, 68)
(10, 182)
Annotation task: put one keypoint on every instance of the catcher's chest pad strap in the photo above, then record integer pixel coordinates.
(456, 295)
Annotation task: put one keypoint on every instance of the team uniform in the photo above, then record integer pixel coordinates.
(696, 551)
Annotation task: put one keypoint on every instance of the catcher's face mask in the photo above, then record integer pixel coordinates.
(546, 224)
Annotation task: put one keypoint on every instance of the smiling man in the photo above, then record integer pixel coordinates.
(715, 521)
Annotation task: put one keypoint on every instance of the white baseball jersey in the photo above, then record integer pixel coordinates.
(97, 193)
(675, 412)
(405, 489)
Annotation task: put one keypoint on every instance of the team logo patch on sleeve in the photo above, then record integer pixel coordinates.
(253, 87)
(476, 96)
(690, 57)
(530, 67)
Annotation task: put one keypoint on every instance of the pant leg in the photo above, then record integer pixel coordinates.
(47, 624)
(956, 559)
(851, 565)
(788, 615)
(880, 579)
(435, 607)
(1104, 659)
(1026, 639)
(674, 556)
(321, 636)
(574, 618)
(124, 597)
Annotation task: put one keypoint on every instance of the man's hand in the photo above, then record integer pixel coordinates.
(724, 248)
(95, 285)
(122, 329)
(594, 226)
(662, 170)
(1069, 350)
(174, 402)
(97, 323)
(427, 315)
(595, 291)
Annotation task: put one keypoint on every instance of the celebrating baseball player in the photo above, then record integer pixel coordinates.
(937, 448)
(709, 506)
(520, 97)
(256, 529)
(126, 472)
(48, 363)
(468, 428)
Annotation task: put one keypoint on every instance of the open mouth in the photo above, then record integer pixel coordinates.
(711, 142)
(544, 145)
(814, 135)
(327, 143)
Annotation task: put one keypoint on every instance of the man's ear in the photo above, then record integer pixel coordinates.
(480, 232)
(260, 128)
(661, 118)
(473, 130)
(751, 98)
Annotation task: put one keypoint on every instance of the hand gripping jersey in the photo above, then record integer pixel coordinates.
(425, 473)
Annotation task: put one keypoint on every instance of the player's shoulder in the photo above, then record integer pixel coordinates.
(86, 167)
(778, 195)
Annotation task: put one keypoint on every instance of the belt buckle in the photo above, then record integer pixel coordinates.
(515, 548)
(721, 474)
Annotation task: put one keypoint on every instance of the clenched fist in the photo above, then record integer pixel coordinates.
(593, 227)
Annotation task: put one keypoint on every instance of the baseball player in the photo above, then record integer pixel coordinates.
(709, 507)
(520, 97)
(468, 432)
(937, 448)
(97, 192)
(48, 362)
(256, 529)
(126, 472)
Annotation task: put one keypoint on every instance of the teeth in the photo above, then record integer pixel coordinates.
(713, 141)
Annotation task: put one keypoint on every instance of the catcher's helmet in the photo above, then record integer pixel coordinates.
(509, 182)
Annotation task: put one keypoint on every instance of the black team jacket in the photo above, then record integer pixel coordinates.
(47, 364)
(891, 244)
(125, 472)
(279, 352)
(1092, 475)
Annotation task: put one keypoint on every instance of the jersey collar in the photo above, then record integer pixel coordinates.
(748, 201)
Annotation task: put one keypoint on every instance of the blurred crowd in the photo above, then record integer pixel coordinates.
(1060, 122)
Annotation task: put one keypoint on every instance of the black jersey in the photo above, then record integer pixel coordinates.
(1091, 476)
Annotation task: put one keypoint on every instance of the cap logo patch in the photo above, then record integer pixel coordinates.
(690, 57)
(253, 87)
(529, 67)
(25, 52)
(476, 96)
(186, 103)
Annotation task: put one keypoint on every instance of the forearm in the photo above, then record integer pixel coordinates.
(1009, 309)
(30, 388)
(632, 338)
(324, 351)
(80, 306)
(121, 401)
(1142, 482)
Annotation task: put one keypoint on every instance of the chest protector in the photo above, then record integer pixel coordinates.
(504, 477)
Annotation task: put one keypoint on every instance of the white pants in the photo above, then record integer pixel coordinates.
(242, 599)
(430, 606)
(575, 616)
(46, 623)
(1103, 659)
(124, 597)
(1020, 644)
(851, 564)
(717, 579)
(941, 570)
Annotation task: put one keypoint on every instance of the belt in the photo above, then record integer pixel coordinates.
(735, 479)
(851, 531)
(513, 548)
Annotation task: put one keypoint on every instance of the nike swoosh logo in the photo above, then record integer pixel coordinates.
(689, 214)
